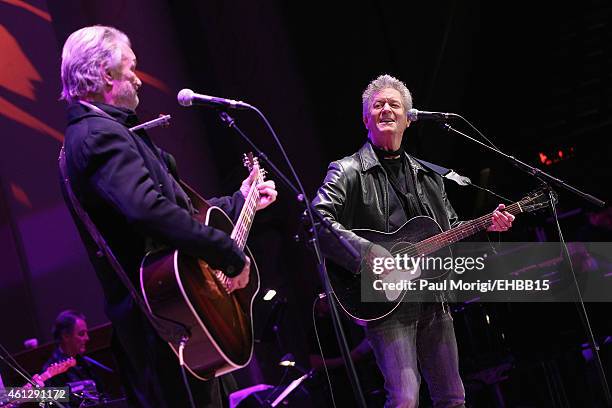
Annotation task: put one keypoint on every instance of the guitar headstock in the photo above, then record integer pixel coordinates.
(537, 200)
(58, 368)
(251, 161)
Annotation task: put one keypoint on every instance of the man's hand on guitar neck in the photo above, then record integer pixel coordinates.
(501, 220)
(267, 190)
(241, 280)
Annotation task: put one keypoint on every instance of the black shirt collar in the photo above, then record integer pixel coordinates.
(387, 154)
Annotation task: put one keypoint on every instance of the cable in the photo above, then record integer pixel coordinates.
(584, 316)
(479, 132)
(16, 366)
(491, 192)
(20, 370)
(182, 364)
(12, 358)
(314, 322)
(493, 146)
(304, 198)
(309, 212)
(291, 169)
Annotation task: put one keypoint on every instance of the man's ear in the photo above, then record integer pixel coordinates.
(365, 121)
(408, 122)
(107, 76)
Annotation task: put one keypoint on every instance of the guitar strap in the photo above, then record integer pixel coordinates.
(444, 172)
(170, 331)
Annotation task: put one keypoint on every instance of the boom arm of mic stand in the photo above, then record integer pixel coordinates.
(301, 196)
(534, 171)
(544, 177)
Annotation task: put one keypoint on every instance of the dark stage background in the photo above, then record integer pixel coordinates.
(535, 78)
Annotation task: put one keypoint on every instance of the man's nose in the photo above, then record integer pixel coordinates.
(386, 107)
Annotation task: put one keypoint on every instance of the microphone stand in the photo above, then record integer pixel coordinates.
(533, 171)
(312, 213)
(545, 179)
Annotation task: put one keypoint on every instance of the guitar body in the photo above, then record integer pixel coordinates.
(185, 289)
(348, 288)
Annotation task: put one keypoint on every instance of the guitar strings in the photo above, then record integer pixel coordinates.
(249, 213)
(434, 243)
(439, 241)
(243, 227)
(241, 221)
(240, 231)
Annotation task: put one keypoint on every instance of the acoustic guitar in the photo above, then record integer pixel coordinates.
(419, 237)
(187, 290)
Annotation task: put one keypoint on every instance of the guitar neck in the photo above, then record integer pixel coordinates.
(461, 232)
(245, 220)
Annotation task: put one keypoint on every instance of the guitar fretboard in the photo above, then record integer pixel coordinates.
(245, 220)
(465, 230)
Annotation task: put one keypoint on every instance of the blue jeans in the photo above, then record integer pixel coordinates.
(418, 335)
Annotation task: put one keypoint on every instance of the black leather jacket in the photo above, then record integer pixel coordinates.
(356, 193)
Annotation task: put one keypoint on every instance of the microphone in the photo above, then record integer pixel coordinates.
(186, 97)
(414, 115)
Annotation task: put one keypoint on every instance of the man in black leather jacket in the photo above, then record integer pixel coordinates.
(379, 188)
(129, 188)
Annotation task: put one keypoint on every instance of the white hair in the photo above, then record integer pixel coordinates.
(383, 82)
(87, 54)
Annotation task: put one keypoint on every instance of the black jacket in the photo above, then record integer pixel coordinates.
(356, 193)
(127, 186)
